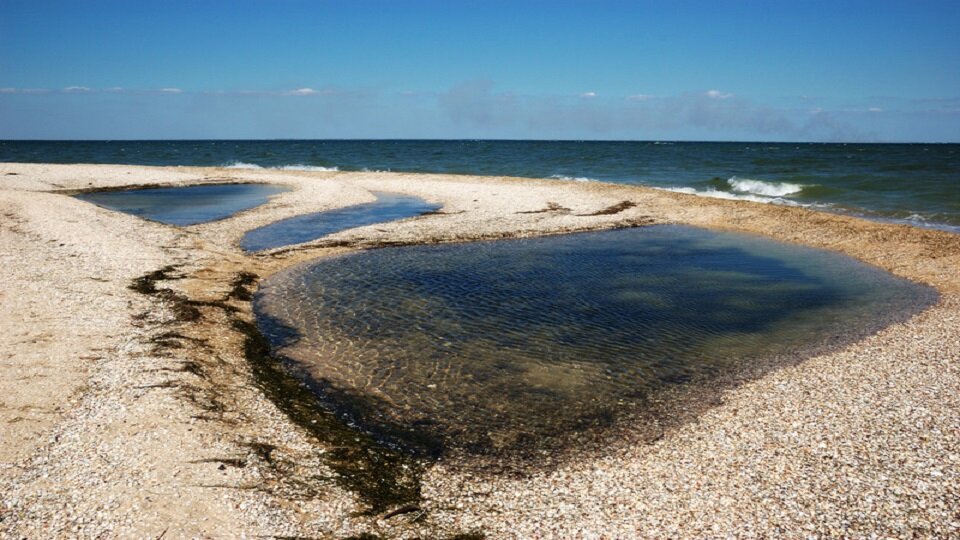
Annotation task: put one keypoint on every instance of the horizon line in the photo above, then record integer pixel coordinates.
(474, 139)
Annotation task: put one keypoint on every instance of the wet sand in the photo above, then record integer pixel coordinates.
(138, 413)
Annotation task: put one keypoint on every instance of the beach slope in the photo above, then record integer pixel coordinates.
(131, 404)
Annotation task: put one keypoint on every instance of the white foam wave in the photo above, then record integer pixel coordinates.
(572, 178)
(297, 167)
(717, 194)
(767, 189)
(241, 165)
(314, 168)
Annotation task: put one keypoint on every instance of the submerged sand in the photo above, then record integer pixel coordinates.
(135, 413)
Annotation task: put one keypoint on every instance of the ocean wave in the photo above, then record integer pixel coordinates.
(717, 194)
(313, 168)
(766, 189)
(241, 165)
(572, 178)
(296, 167)
(937, 221)
(931, 221)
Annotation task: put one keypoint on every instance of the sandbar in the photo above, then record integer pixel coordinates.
(129, 406)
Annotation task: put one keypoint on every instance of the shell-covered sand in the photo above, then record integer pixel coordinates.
(135, 413)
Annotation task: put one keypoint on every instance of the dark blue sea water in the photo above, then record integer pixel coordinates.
(916, 183)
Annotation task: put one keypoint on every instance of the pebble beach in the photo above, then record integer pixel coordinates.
(130, 407)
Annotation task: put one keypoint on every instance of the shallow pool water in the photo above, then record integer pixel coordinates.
(295, 230)
(187, 205)
(494, 346)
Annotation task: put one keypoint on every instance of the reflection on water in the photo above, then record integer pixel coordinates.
(387, 207)
(187, 205)
(494, 346)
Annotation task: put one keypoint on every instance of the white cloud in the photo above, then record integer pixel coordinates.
(716, 94)
(588, 95)
(302, 92)
(76, 89)
(170, 91)
(640, 97)
(307, 91)
(875, 109)
(7, 90)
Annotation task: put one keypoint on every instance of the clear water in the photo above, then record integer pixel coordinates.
(387, 207)
(188, 205)
(915, 183)
(496, 347)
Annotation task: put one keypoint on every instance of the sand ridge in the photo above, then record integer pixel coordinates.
(126, 417)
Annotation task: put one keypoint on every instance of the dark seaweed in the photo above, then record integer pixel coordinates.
(381, 477)
(241, 285)
(613, 209)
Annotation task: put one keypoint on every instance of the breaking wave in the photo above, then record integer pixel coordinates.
(241, 165)
(572, 178)
(296, 167)
(748, 189)
(315, 168)
(767, 189)
(718, 194)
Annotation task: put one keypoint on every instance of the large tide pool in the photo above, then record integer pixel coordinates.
(186, 205)
(527, 345)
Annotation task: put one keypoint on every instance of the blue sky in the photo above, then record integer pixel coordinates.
(711, 70)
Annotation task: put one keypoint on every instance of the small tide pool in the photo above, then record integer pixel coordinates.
(185, 205)
(298, 229)
(529, 344)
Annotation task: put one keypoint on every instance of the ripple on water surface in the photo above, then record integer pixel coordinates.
(185, 205)
(298, 229)
(492, 347)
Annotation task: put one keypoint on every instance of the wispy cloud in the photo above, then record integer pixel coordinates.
(172, 90)
(478, 108)
(89, 90)
(951, 100)
(302, 92)
(306, 91)
(723, 114)
(716, 94)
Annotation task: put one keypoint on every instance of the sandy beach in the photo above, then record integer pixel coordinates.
(133, 402)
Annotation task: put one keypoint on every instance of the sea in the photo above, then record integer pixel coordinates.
(911, 183)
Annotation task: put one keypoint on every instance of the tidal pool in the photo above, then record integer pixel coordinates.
(187, 205)
(295, 230)
(492, 347)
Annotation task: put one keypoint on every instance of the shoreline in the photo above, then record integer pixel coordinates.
(190, 380)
